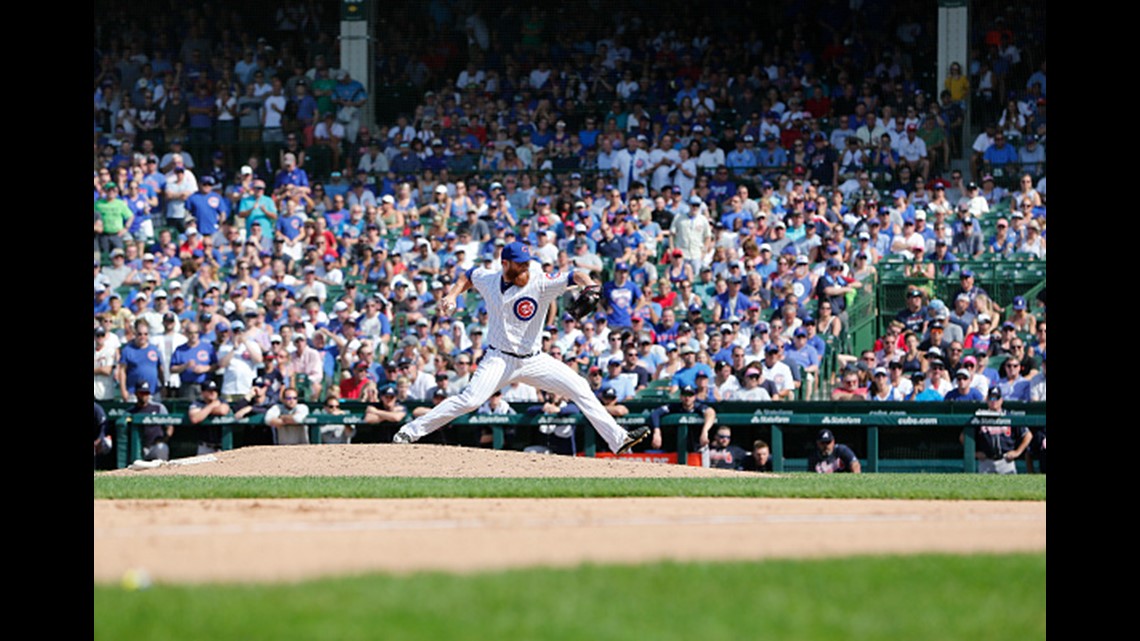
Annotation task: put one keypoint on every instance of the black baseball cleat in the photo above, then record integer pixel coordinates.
(634, 437)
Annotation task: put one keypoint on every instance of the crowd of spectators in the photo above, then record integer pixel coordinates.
(737, 184)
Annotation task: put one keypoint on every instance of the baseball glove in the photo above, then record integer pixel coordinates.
(586, 303)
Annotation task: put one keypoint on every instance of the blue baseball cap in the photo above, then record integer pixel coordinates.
(517, 252)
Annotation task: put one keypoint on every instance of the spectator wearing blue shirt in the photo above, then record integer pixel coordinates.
(806, 357)
(732, 302)
(306, 105)
(621, 297)
(945, 260)
(921, 391)
(771, 156)
(350, 96)
(1000, 156)
(963, 391)
(208, 208)
(741, 160)
(193, 361)
(625, 385)
(291, 174)
(813, 338)
(721, 186)
(687, 375)
(138, 362)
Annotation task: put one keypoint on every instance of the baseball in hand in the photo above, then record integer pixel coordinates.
(446, 306)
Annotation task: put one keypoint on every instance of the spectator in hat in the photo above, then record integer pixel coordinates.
(156, 438)
(1031, 157)
(806, 357)
(113, 217)
(209, 208)
(622, 383)
(935, 337)
(914, 315)
(687, 374)
(913, 152)
(1023, 321)
(919, 389)
(258, 208)
(993, 193)
(1001, 244)
(964, 389)
(387, 410)
(774, 369)
(357, 385)
(621, 298)
(753, 387)
(255, 404)
(937, 374)
(975, 366)
(881, 388)
(967, 285)
(238, 359)
(829, 457)
(999, 445)
(206, 406)
(961, 315)
(972, 202)
(689, 404)
(692, 233)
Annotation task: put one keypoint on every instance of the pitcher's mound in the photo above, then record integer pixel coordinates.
(414, 460)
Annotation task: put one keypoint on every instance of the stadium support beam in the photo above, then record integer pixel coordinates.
(356, 16)
(954, 46)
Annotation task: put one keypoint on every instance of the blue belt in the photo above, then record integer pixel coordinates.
(503, 351)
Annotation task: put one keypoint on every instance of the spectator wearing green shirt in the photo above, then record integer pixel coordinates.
(116, 216)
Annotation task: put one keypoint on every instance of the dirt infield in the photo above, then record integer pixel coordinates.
(287, 540)
(420, 460)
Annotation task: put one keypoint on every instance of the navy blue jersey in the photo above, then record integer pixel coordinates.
(840, 460)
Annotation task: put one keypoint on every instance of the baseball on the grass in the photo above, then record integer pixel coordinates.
(135, 579)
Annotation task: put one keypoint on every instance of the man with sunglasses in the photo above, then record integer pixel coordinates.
(287, 419)
(723, 454)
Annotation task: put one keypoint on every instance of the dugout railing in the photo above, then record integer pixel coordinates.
(887, 437)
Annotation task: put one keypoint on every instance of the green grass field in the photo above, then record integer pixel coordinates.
(874, 598)
(977, 597)
(799, 485)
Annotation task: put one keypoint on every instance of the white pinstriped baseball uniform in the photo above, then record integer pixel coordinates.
(515, 318)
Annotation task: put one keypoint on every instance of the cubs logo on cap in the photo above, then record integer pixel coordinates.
(517, 252)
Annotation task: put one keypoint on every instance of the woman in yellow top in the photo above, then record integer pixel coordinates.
(957, 84)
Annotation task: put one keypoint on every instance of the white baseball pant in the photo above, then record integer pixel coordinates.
(544, 372)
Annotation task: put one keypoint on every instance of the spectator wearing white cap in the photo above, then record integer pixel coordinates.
(310, 286)
(238, 359)
(692, 233)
